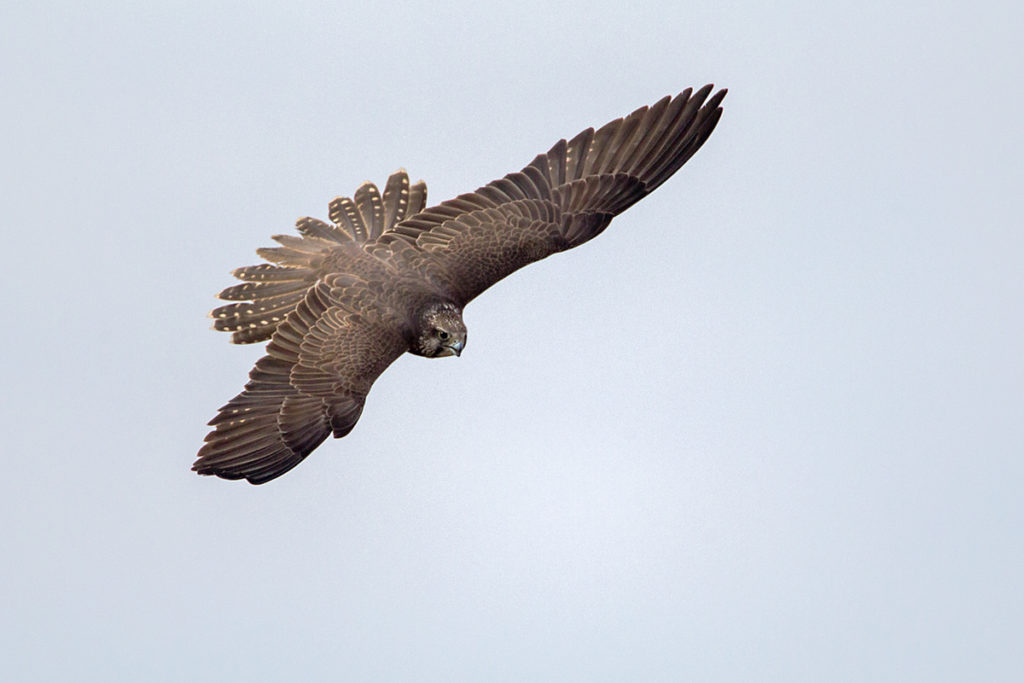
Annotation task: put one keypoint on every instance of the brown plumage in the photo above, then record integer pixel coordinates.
(386, 276)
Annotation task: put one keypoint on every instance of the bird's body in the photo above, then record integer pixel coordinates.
(345, 299)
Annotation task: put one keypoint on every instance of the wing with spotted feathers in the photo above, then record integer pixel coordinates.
(562, 198)
(320, 364)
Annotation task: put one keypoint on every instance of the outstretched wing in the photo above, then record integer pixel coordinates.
(562, 198)
(320, 364)
(272, 290)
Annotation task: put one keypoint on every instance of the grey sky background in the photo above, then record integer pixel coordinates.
(769, 426)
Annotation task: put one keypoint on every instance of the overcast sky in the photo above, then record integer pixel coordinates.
(768, 426)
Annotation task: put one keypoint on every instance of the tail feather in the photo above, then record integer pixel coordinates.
(266, 272)
(396, 197)
(371, 210)
(311, 227)
(272, 290)
(256, 315)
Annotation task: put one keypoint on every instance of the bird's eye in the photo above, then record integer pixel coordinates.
(442, 334)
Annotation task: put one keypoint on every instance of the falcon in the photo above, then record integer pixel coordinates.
(340, 301)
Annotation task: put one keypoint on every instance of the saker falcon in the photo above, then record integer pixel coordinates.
(341, 301)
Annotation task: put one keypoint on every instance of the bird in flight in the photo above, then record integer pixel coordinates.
(342, 300)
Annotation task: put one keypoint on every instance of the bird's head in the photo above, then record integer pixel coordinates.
(439, 332)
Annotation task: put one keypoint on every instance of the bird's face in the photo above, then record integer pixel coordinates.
(440, 333)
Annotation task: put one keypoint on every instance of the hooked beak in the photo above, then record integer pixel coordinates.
(457, 348)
